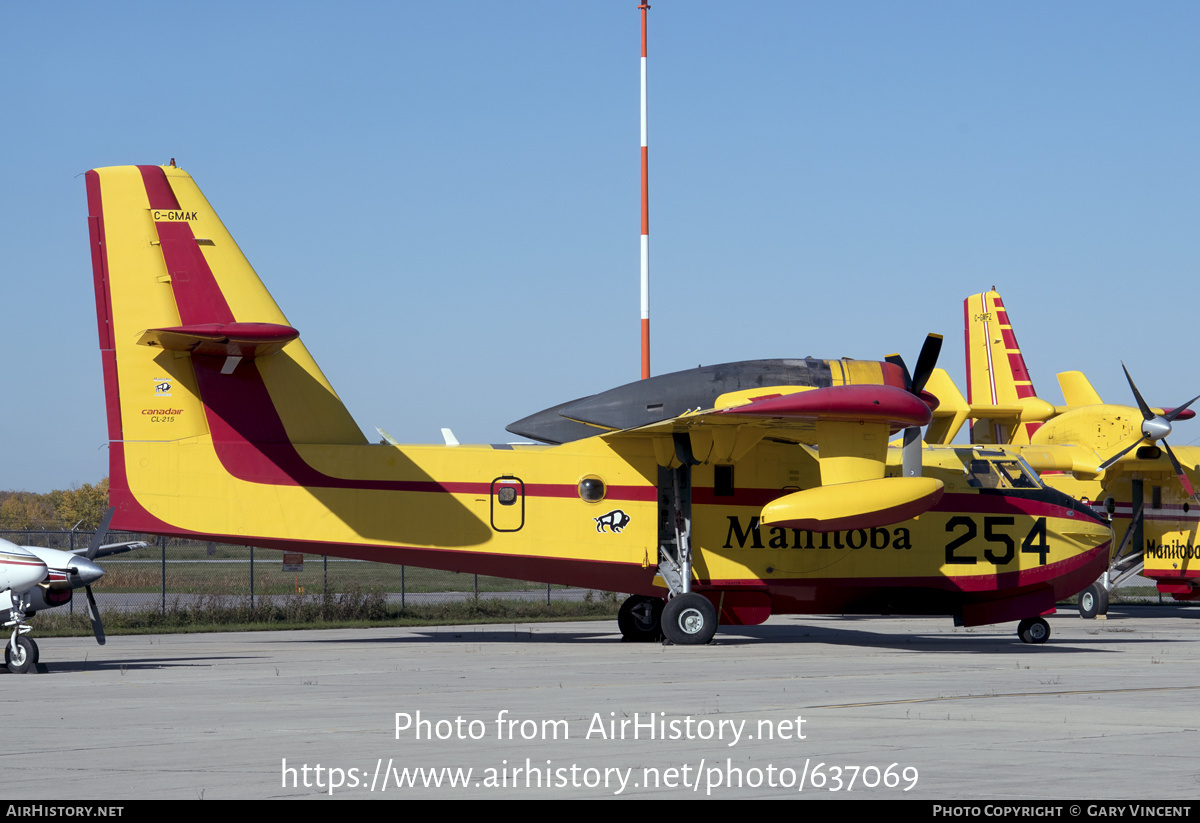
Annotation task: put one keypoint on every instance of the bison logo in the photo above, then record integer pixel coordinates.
(615, 520)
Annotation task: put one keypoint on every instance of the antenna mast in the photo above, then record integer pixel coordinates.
(644, 7)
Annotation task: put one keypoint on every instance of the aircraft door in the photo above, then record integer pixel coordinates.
(508, 504)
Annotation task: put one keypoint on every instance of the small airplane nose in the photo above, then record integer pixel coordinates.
(86, 570)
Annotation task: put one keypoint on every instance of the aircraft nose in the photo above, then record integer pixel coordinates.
(87, 572)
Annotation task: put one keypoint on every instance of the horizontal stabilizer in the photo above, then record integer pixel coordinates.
(864, 504)
(244, 340)
(1025, 410)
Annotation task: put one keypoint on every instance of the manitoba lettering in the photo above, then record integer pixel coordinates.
(780, 538)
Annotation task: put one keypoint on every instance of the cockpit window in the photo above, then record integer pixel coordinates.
(1001, 472)
(1019, 475)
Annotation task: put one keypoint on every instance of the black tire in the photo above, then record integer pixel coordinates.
(1033, 630)
(1093, 601)
(640, 619)
(689, 620)
(23, 658)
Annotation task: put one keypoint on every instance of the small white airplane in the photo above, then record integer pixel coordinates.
(33, 579)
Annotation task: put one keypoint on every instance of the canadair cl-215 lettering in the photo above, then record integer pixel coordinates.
(724, 494)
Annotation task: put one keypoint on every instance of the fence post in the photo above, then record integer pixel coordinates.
(251, 578)
(402, 588)
(163, 542)
(72, 609)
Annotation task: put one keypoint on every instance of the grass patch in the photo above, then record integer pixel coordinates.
(224, 575)
(349, 610)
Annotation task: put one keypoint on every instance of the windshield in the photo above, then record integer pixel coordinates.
(998, 471)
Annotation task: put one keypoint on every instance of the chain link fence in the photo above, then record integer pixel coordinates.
(170, 572)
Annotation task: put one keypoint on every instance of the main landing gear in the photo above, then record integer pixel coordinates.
(640, 619)
(1093, 601)
(687, 619)
(1033, 630)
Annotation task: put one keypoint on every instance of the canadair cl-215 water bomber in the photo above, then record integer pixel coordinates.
(721, 495)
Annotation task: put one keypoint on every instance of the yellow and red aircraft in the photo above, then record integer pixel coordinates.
(1100, 452)
(724, 494)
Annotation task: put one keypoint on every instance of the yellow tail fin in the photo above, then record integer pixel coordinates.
(193, 345)
(996, 373)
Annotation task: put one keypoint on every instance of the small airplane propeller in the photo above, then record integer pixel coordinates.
(1155, 428)
(94, 615)
(93, 548)
(101, 533)
(915, 383)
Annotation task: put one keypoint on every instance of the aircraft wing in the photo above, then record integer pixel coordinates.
(849, 427)
(115, 548)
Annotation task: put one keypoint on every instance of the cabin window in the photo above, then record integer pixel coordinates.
(508, 504)
(591, 489)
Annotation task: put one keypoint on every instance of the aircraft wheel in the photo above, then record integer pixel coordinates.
(1093, 601)
(1034, 630)
(640, 619)
(23, 658)
(689, 620)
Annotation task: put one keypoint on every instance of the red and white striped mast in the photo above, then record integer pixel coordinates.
(645, 216)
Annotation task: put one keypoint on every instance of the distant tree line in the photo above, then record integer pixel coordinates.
(60, 509)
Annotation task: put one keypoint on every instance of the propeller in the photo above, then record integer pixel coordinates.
(100, 534)
(1155, 427)
(915, 383)
(93, 548)
(94, 615)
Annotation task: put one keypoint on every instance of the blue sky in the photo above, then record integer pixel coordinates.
(443, 198)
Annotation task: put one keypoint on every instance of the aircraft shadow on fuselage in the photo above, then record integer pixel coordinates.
(366, 505)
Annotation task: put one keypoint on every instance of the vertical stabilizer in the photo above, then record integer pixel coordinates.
(1077, 390)
(996, 373)
(194, 348)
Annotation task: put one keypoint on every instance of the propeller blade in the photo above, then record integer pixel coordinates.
(926, 362)
(1120, 454)
(1174, 413)
(101, 533)
(911, 454)
(1179, 472)
(897, 360)
(915, 383)
(94, 614)
(1146, 413)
